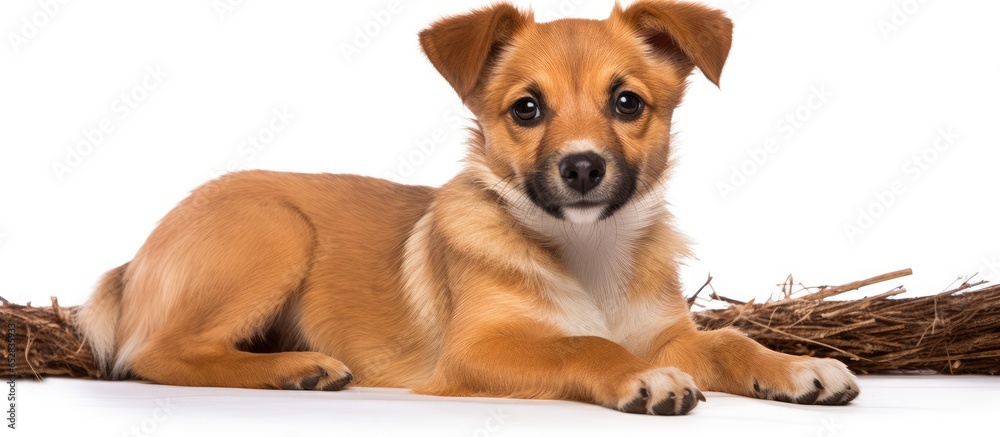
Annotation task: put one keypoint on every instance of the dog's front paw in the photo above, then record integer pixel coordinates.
(817, 381)
(663, 391)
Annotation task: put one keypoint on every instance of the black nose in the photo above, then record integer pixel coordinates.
(582, 171)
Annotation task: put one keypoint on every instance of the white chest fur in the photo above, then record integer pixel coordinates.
(590, 296)
(599, 258)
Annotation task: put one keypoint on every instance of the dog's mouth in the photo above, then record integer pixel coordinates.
(556, 197)
(588, 214)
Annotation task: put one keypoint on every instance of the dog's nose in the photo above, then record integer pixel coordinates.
(582, 171)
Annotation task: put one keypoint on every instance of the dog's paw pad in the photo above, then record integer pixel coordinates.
(319, 378)
(811, 382)
(842, 397)
(309, 382)
(638, 404)
(664, 392)
(338, 384)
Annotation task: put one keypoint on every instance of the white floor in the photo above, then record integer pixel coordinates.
(888, 405)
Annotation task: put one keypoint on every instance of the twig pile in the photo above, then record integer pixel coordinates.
(957, 331)
(46, 341)
(954, 332)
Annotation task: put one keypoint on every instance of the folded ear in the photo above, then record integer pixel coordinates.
(684, 32)
(462, 46)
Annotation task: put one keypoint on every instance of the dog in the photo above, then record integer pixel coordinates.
(546, 269)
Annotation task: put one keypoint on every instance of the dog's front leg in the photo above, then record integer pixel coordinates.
(501, 342)
(727, 360)
(525, 359)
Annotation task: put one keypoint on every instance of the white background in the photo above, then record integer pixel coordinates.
(893, 88)
(227, 71)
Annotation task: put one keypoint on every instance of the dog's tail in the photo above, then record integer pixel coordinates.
(98, 319)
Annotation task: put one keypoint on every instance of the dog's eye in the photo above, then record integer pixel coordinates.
(526, 110)
(628, 104)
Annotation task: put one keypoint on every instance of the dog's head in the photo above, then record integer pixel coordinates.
(575, 114)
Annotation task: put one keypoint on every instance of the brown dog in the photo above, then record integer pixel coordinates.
(547, 269)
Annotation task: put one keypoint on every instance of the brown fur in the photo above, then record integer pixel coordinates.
(468, 289)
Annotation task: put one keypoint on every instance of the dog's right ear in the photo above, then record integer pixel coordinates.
(694, 35)
(461, 47)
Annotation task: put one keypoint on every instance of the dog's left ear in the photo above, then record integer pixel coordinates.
(688, 33)
(461, 47)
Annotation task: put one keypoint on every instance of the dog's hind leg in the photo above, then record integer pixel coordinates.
(222, 366)
(211, 279)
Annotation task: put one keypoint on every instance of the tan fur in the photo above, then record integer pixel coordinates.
(469, 289)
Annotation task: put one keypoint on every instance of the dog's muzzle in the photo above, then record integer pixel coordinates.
(581, 186)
